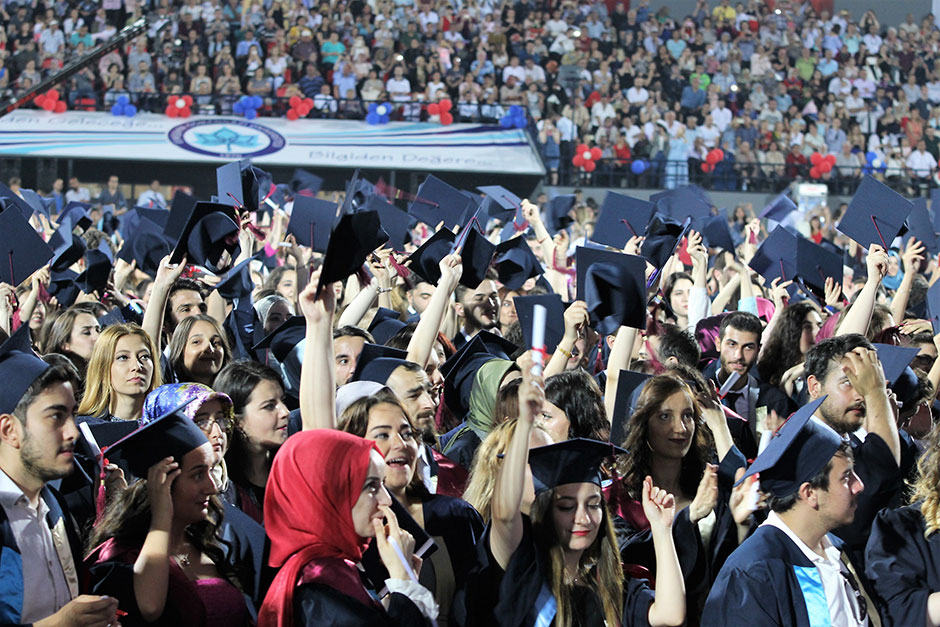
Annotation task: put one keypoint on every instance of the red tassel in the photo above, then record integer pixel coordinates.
(255, 230)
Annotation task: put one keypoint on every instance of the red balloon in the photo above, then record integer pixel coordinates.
(707, 167)
(291, 114)
(712, 158)
(830, 159)
(446, 118)
(303, 110)
(578, 160)
(48, 104)
(720, 153)
(39, 100)
(824, 167)
(60, 106)
(185, 112)
(52, 94)
(445, 105)
(814, 172)
(815, 158)
(434, 108)
(596, 153)
(188, 100)
(308, 102)
(589, 166)
(294, 101)
(582, 148)
(172, 111)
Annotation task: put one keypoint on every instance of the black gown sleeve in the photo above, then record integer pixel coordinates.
(316, 605)
(637, 599)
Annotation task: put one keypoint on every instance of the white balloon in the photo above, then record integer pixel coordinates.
(877, 163)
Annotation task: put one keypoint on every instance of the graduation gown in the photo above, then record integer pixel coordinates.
(768, 580)
(317, 605)
(902, 565)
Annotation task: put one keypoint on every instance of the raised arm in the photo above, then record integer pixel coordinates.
(620, 355)
(576, 319)
(429, 325)
(913, 255)
(866, 375)
(859, 316)
(152, 568)
(153, 314)
(506, 532)
(317, 377)
(669, 607)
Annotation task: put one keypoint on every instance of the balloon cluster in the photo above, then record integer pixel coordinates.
(585, 158)
(822, 164)
(873, 163)
(442, 109)
(639, 166)
(124, 107)
(248, 106)
(299, 107)
(49, 101)
(515, 118)
(378, 113)
(179, 106)
(713, 158)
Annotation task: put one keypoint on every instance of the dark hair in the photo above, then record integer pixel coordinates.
(678, 343)
(782, 504)
(671, 281)
(514, 334)
(880, 317)
(462, 290)
(351, 331)
(55, 373)
(276, 275)
(402, 339)
(182, 284)
(179, 339)
(576, 393)
(782, 350)
(820, 358)
(507, 402)
(742, 321)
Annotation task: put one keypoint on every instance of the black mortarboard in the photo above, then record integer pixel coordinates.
(662, 238)
(460, 369)
(132, 218)
(797, 451)
(425, 260)
(12, 200)
(356, 236)
(237, 283)
(147, 245)
(303, 181)
(22, 251)
(66, 244)
(395, 221)
(311, 222)
(554, 318)
(921, 226)
(516, 263)
(627, 384)
(621, 217)
(62, 285)
(77, 213)
(778, 208)
(557, 214)
(476, 253)
(573, 461)
(19, 366)
(377, 361)
(686, 201)
(504, 202)
(876, 214)
(209, 237)
(614, 288)
(181, 208)
(118, 315)
(515, 225)
(38, 203)
(173, 434)
(385, 325)
(358, 191)
(716, 233)
(243, 185)
(814, 264)
(776, 257)
(894, 359)
(933, 306)
(437, 201)
(98, 265)
(285, 338)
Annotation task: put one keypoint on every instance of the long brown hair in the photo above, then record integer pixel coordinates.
(600, 563)
(926, 487)
(637, 463)
(97, 398)
(181, 336)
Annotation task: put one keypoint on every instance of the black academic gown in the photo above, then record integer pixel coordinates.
(902, 565)
(318, 605)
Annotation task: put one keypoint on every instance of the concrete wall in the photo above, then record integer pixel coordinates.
(889, 13)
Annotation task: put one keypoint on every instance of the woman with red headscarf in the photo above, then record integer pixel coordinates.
(324, 500)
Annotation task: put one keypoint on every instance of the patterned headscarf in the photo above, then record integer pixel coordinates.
(168, 397)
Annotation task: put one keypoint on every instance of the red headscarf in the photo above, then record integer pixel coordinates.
(315, 481)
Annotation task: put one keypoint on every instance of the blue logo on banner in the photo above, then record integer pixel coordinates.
(226, 138)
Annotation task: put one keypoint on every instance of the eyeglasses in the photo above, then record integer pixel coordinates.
(205, 424)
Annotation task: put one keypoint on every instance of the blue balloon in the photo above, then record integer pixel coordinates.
(871, 155)
(520, 121)
(372, 118)
(238, 108)
(373, 107)
(130, 110)
(123, 100)
(638, 166)
(257, 102)
(506, 121)
(251, 114)
(117, 109)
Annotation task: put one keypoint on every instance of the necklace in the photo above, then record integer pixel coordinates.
(182, 560)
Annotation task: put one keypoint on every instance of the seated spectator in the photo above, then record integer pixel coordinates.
(324, 102)
(259, 84)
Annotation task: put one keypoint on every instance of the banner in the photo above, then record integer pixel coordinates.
(272, 141)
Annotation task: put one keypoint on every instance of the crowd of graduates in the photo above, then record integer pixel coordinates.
(457, 407)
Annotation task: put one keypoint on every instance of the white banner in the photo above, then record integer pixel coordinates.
(273, 141)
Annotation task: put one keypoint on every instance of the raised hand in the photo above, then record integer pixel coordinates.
(576, 319)
(389, 534)
(742, 503)
(912, 256)
(833, 292)
(877, 262)
(779, 293)
(706, 497)
(658, 505)
(864, 370)
(451, 267)
(633, 245)
(531, 391)
(167, 273)
(317, 310)
(160, 478)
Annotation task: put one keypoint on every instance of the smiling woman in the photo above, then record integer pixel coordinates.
(198, 351)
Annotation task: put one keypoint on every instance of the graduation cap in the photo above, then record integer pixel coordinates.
(662, 238)
(19, 366)
(173, 434)
(304, 183)
(12, 200)
(285, 338)
(396, 222)
(797, 452)
(554, 318)
(22, 251)
(425, 260)
(716, 233)
(109, 222)
(238, 284)
(777, 257)
(621, 217)
(385, 325)
(516, 263)
(922, 227)
(98, 265)
(614, 288)
(933, 306)
(181, 208)
(356, 236)
(147, 245)
(311, 222)
(476, 254)
(209, 238)
(895, 359)
(518, 225)
(557, 216)
(686, 201)
(62, 285)
(627, 385)
(437, 201)
(814, 264)
(377, 362)
(459, 371)
(77, 213)
(38, 203)
(244, 186)
(358, 191)
(875, 215)
(779, 208)
(573, 461)
(504, 202)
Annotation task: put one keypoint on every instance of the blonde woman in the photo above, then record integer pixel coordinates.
(120, 374)
(903, 550)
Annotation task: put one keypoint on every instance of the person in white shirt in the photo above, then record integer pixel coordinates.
(637, 95)
(921, 163)
(556, 25)
(152, 197)
(601, 111)
(722, 115)
(514, 69)
(533, 73)
(839, 85)
(398, 87)
(872, 40)
(76, 192)
(709, 132)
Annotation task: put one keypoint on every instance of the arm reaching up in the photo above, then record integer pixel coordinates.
(660, 508)
(422, 342)
(317, 377)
